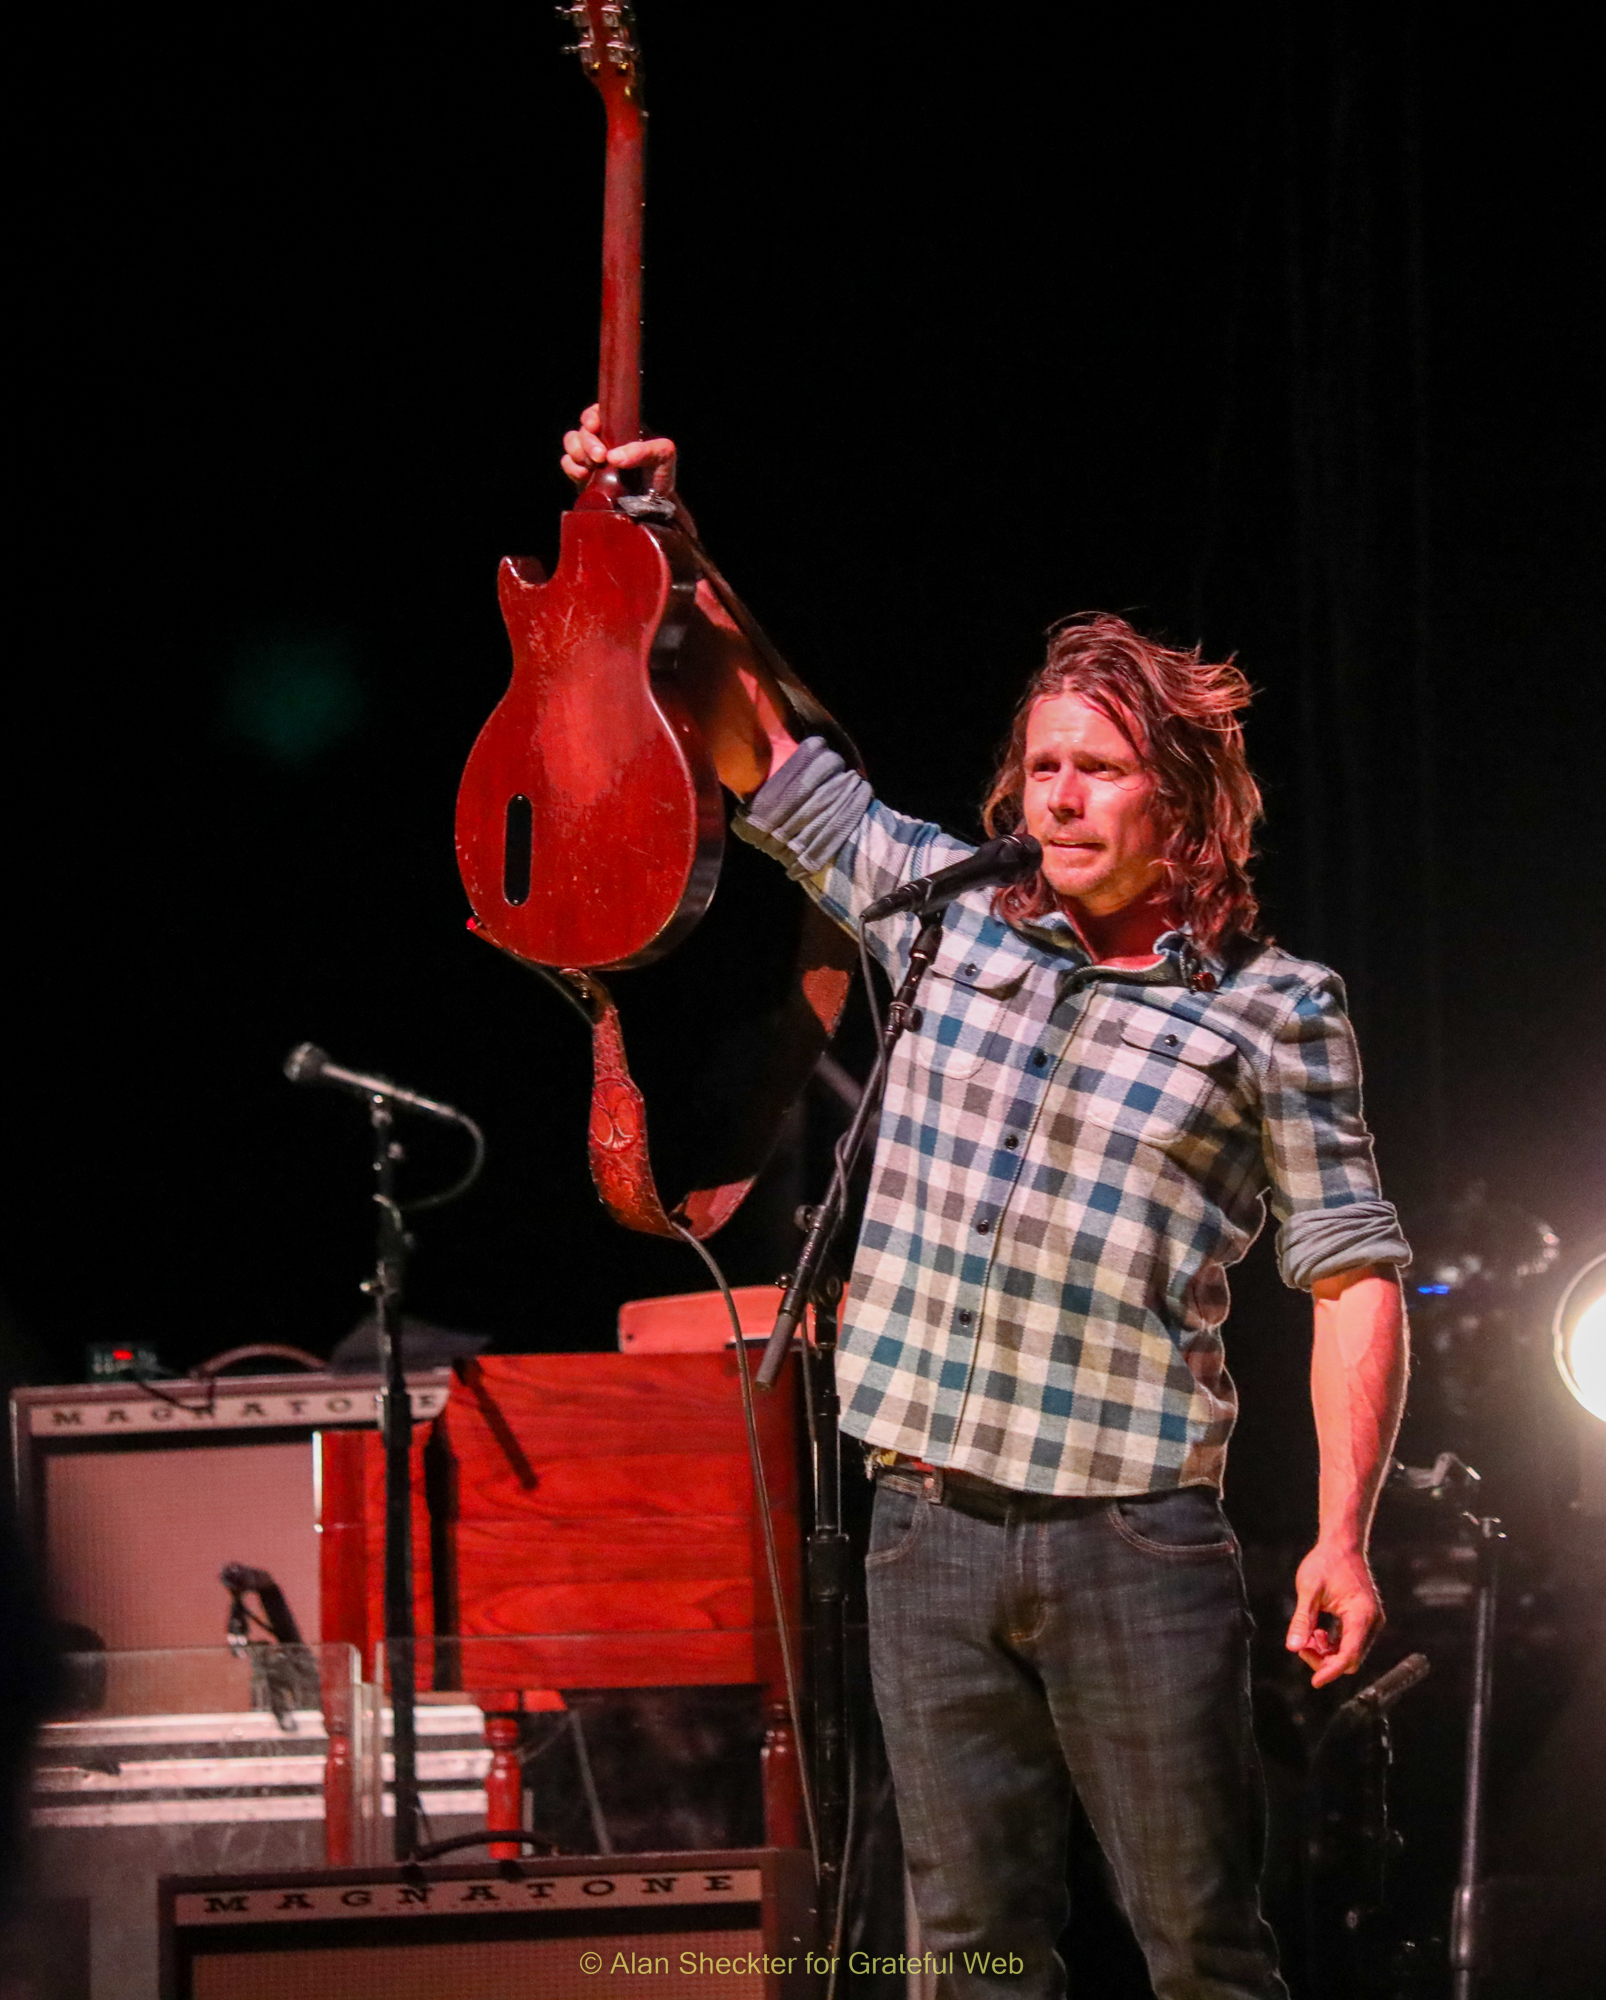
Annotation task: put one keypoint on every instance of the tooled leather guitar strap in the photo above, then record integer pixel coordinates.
(621, 1166)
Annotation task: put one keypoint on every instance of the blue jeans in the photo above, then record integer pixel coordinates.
(1034, 1649)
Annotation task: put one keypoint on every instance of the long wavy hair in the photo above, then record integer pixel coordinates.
(1179, 712)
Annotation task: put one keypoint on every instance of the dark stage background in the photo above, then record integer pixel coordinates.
(1283, 337)
(1274, 327)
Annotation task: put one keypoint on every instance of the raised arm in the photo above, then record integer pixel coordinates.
(732, 698)
(824, 827)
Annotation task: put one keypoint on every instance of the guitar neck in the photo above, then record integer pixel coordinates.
(608, 55)
(619, 375)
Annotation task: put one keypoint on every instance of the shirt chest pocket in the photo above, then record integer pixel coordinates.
(965, 1002)
(1162, 1080)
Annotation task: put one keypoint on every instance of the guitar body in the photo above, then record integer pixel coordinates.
(589, 819)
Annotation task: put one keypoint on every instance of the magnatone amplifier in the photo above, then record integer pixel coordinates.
(715, 1926)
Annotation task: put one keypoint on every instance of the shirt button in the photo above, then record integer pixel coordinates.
(1170, 1041)
(966, 1318)
(970, 972)
(1039, 1057)
(1011, 1141)
(983, 1226)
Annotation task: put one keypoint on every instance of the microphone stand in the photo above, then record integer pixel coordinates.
(1466, 1918)
(396, 1429)
(309, 1064)
(814, 1283)
(1356, 1964)
(1448, 1480)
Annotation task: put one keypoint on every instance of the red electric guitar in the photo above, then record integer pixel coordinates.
(589, 820)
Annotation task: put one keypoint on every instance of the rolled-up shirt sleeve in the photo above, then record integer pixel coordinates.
(1318, 1152)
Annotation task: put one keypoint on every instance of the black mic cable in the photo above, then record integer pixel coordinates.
(307, 1063)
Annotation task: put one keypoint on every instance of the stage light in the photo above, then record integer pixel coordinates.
(1580, 1334)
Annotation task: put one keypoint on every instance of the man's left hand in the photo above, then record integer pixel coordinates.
(1337, 1583)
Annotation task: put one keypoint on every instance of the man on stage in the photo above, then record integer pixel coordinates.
(1109, 1075)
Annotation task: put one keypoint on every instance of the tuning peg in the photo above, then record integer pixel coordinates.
(619, 23)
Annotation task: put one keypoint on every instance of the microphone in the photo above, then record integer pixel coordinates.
(1006, 859)
(307, 1063)
(1384, 1692)
(237, 1579)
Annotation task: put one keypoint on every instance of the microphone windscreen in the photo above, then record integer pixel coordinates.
(1400, 1679)
(305, 1063)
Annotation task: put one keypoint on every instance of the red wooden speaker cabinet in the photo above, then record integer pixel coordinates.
(719, 1926)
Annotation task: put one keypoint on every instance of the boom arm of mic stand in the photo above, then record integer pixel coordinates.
(828, 1215)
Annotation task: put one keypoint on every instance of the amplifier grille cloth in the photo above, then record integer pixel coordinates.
(487, 1969)
(134, 1540)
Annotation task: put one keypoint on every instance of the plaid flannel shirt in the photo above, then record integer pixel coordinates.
(1070, 1158)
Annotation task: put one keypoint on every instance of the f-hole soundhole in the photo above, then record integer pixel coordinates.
(516, 845)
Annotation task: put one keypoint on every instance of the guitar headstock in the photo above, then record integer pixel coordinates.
(605, 42)
(606, 45)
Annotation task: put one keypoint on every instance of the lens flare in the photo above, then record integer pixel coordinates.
(1581, 1336)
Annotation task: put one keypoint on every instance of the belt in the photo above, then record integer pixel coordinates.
(965, 1493)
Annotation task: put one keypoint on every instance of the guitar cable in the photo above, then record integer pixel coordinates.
(772, 1558)
(771, 1553)
(861, 935)
(783, 1629)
